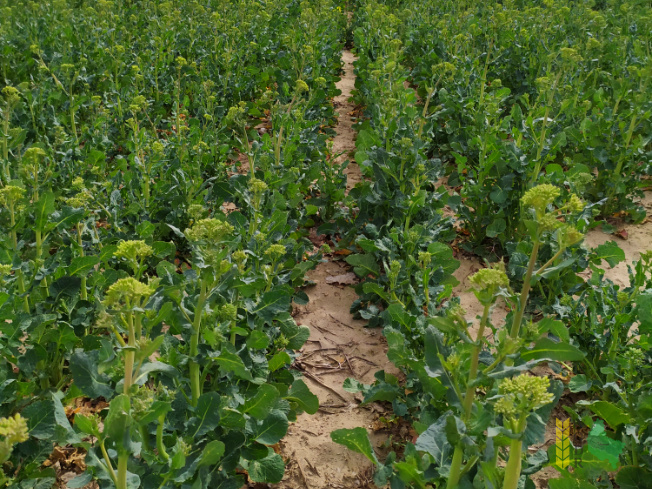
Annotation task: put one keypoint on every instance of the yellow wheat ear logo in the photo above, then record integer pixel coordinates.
(563, 444)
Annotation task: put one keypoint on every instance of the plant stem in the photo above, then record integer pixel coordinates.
(107, 459)
(130, 354)
(160, 446)
(195, 385)
(516, 324)
(513, 467)
(475, 358)
(123, 459)
(456, 468)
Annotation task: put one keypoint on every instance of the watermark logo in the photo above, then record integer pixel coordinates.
(563, 443)
(598, 445)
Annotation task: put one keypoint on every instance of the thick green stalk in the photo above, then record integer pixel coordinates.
(123, 460)
(107, 460)
(456, 468)
(456, 465)
(19, 273)
(516, 324)
(195, 385)
(160, 446)
(475, 359)
(130, 354)
(513, 467)
(80, 242)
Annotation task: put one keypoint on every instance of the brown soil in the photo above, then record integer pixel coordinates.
(344, 141)
(339, 347)
(632, 238)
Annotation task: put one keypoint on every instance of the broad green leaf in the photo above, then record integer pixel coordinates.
(231, 362)
(296, 335)
(43, 209)
(631, 477)
(83, 366)
(579, 383)
(372, 287)
(612, 414)
(363, 265)
(207, 415)
(355, 439)
(164, 249)
(442, 255)
(603, 447)
(269, 469)
(546, 348)
(212, 453)
(82, 265)
(270, 430)
(559, 329)
(79, 481)
(300, 393)
(271, 304)
(644, 309)
(263, 402)
(496, 228)
(157, 409)
(117, 422)
(278, 361)
(610, 252)
(257, 340)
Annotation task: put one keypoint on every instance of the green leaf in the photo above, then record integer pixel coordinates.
(296, 335)
(579, 383)
(257, 340)
(87, 424)
(79, 481)
(644, 310)
(270, 430)
(269, 469)
(363, 265)
(355, 439)
(300, 393)
(372, 287)
(610, 252)
(207, 415)
(82, 265)
(231, 362)
(278, 361)
(157, 409)
(163, 249)
(435, 442)
(612, 414)
(117, 422)
(272, 303)
(83, 366)
(263, 402)
(631, 477)
(43, 209)
(603, 447)
(546, 348)
(442, 255)
(46, 420)
(496, 228)
(559, 329)
(212, 453)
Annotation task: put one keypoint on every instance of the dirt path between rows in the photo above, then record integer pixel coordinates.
(339, 347)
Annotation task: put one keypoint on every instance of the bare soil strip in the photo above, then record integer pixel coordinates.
(339, 347)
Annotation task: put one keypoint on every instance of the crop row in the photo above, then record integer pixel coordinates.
(160, 165)
(513, 102)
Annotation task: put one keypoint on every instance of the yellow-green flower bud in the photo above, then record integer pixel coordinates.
(127, 289)
(209, 230)
(133, 250)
